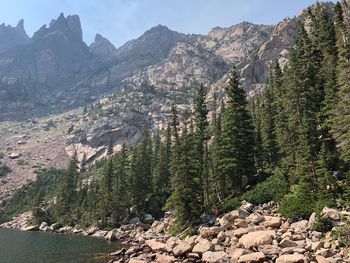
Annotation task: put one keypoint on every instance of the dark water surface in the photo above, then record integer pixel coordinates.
(37, 247)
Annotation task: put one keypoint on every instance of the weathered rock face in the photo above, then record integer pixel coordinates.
(35, 76)
(12, 36)
(102, 49)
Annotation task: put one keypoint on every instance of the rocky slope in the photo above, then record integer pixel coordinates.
(250, 234)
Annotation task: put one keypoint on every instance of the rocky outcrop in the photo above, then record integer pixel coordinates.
(11, 37)
(102, 49)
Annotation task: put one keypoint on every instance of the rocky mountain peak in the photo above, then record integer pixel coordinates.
(20, 25)
(102, 48)
(69, 27)
(12, 36)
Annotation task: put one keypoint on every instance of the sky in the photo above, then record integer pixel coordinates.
(123, 20)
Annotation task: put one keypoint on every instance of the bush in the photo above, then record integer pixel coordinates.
(4, 170)
(298, 204)
(342, 233)
(322, 225)
(231, 204)
(273, 189)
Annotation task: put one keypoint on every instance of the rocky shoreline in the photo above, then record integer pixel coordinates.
(248, 234)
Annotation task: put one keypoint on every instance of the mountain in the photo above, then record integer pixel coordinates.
(125, 89)
(12, 36)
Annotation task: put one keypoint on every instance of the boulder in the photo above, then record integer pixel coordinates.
(99, 233)
(230, 217)
(312, 219)
(135, 221)
(207, 232)
(241, 223)
(247, 206)
(215, 257)
(293, 258)
(236, 253)
(44, 227)
(203, 246)
(273, 222)
(286, 242)
(252, 258)
(161, 258)
(148, 219)
(155, 245)
(111, 236)
(330, 213)
(300, 225)
(31, 228)
(238, 232)
(137, 260)
(14, 155)
(254, 239)
(55, 226)
(182, 249)
(269, 249)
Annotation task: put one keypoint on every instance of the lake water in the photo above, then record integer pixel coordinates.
(37, 247)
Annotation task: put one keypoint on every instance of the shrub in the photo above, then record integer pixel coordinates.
(231, 204)
(322, 225)
(342, 233)
(298, 204)
(273, 189)
(4, 170)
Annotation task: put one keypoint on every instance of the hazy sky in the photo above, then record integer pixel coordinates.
(122, 20)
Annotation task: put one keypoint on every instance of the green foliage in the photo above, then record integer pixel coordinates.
(342, 233)
(21, 162)
(26, 198)
(273, 189)
(298, 204)
(231, 204)
(4, 170)
(322, 225)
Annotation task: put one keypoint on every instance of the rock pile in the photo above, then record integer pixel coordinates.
(248, 234)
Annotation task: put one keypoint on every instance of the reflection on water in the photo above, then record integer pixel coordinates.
(36, 247)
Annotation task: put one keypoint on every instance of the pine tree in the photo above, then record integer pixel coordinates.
(184, 198)
(340, 120)
(236, 151)
(201, 142)
(268, 133)
(106, 191)
(67, 191)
